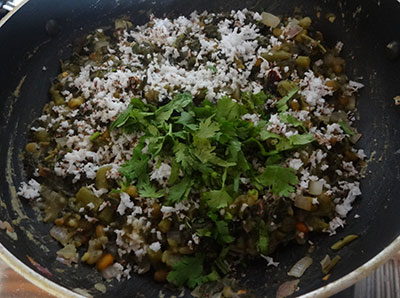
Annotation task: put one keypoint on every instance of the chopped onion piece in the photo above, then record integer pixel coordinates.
(293, 28)
(270, 20)
(61, 234)
(332, 263)
(315, 188)
(356, 85)
(61, 141)
(68, 253)
(325, 262)
(337, 116)
(300, 267)
(101, 44)
(287, 288)
(174, 235)
(303, 202)
(112, 271)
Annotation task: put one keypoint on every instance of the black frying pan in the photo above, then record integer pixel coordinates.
(365, 27)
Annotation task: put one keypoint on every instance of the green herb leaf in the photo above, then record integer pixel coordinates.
(281, 180)
(227, 109)
(186, 119)
(213, 276)
(122, 118)
(283, 145)
(184, 157)
(189, 271)
(282, 103)
(149, 191)
(204, 232)
(134, 117)
(222, 163)
(206, 110)
(137, 167)
(180, 101)
(265, 135)
(254, 101)
(300, 140)
(287, 118)
(217, 199)
(222, 234)
(174, 172)
(346, 128)
(207, 129)
(180, 191)
(203, 149)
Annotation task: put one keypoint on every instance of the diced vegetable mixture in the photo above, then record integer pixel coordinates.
(185, 146)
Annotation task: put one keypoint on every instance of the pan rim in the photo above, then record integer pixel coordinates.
(11, 13)
(325, 291)
(358, 274)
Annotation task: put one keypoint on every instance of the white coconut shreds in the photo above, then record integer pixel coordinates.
(30, 190)
(125, 203)
(230, 61)
(155, 246)
(270, 261)
(162, 173)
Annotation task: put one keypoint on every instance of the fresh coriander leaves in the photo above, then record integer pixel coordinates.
(207, 129)
(137, 167)
(217, 199)
(222, 234)
(180, 101)
(346, 128)
(280, 180)
(300, 140)
(210, 139)
(134, 117)
(179, 191)
(227, 109)
(287, 118)
(149, 191)
(122, 118)
(188, 271)
(281, 105)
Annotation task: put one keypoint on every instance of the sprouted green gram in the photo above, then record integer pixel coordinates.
(184, 146)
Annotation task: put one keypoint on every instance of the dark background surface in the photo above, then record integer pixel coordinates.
(364, 26)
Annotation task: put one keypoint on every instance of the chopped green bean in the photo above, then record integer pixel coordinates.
(346, 240)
